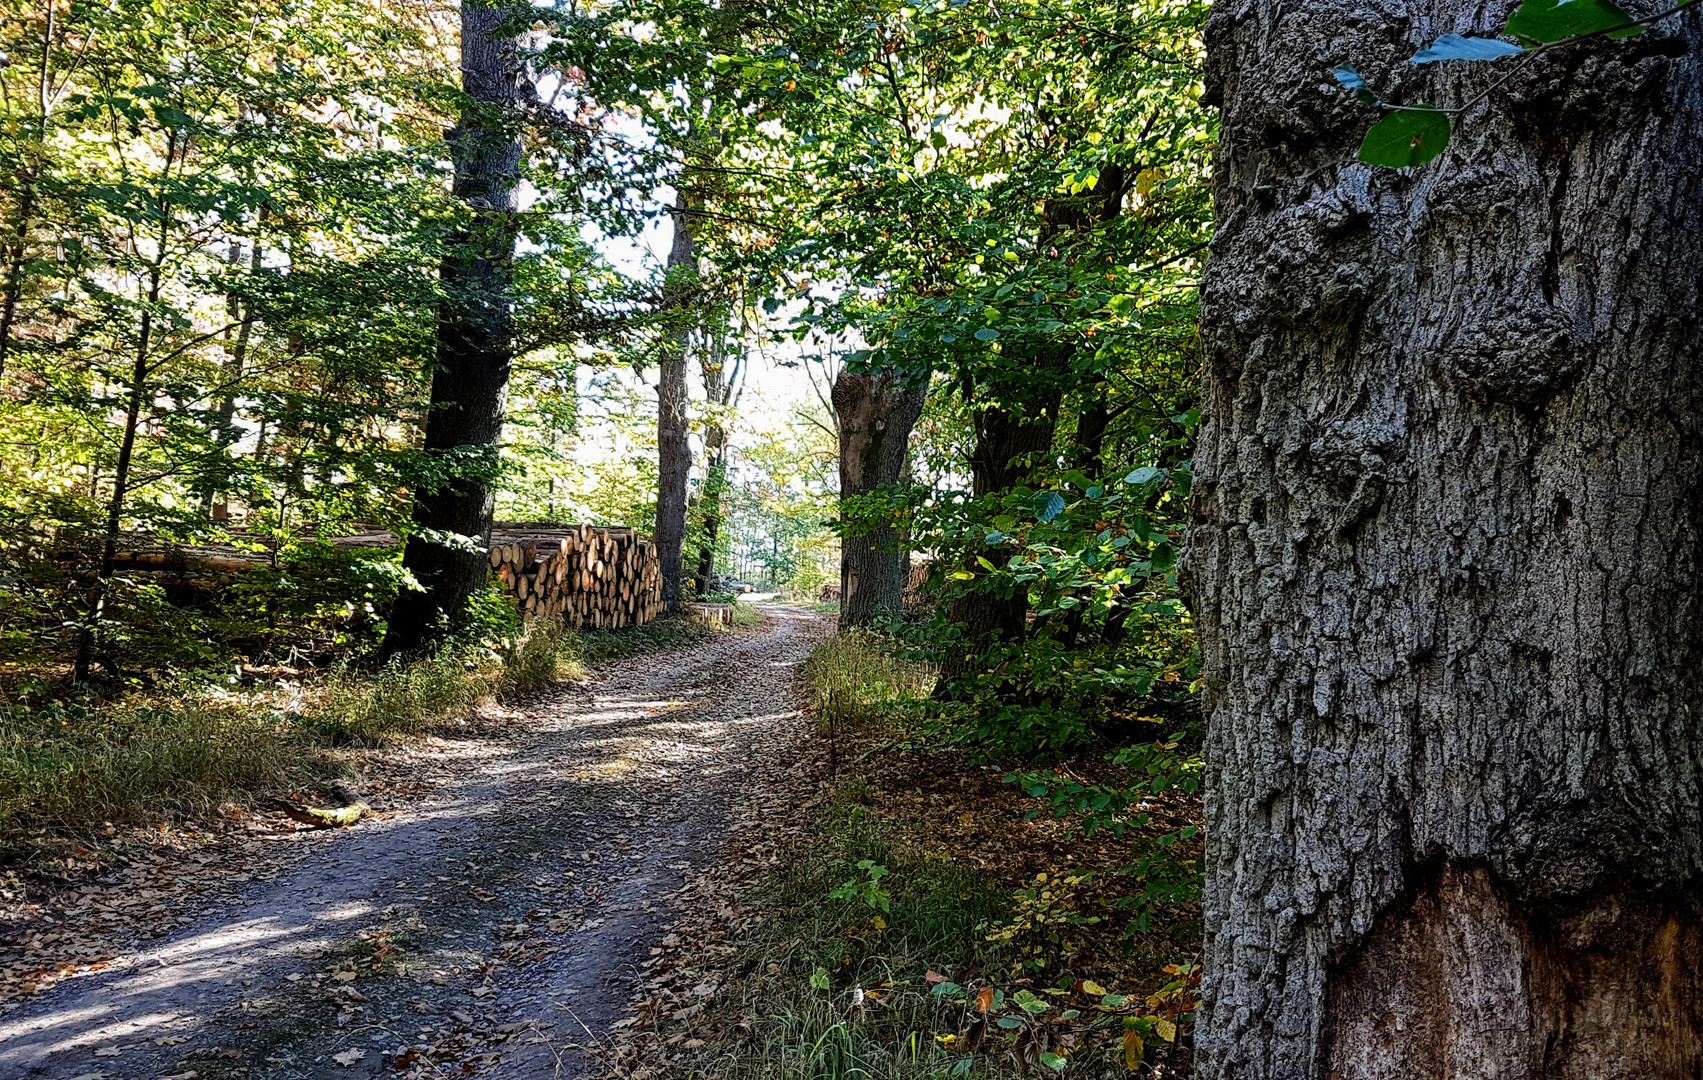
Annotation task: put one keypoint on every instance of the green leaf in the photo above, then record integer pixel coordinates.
(1553, 20)
(1053, 1061)
(1048, 505)
(986, 333)
(1456, 47)
(1407, 137)
(1029, 1003)
(1145, 475)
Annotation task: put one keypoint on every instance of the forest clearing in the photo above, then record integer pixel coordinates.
(851, 540)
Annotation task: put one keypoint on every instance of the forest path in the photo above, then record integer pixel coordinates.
(495, 928)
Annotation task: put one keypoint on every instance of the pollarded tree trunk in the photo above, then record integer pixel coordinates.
(475, 342)
(1445, 561)
(876, 414)
(673, 448)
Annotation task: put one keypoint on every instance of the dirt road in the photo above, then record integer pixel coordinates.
(491, 929)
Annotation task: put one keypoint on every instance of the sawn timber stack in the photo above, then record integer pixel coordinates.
(587, 575)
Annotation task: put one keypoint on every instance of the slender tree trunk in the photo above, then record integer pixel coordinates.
(475, 343)
(17, 247)
(673, 451)
(236, 359)
(723, 386)
(876, 414)
(1445, 561)
(89, 636)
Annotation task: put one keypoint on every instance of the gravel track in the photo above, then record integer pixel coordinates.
(494, 927)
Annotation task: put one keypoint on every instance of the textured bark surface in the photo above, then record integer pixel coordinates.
(475, 341)
(1444, 557)
(673, 449)
(875, 416)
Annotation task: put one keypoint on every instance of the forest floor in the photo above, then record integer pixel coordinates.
(494, 917)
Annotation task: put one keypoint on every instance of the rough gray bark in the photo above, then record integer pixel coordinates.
(876, 414)
(475, 340)
(673, 451)
(1445, 561)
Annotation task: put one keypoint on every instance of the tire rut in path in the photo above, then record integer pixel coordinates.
(518, 903)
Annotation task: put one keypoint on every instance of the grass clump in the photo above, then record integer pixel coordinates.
(857, 676)
(72, 766)
(406, 698)
(76, 766)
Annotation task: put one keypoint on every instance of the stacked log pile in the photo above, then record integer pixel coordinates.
(589, 576)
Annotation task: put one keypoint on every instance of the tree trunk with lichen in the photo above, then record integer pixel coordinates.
(1445, 561)
(875, 414)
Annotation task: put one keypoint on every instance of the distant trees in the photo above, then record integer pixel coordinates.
(1444, 556)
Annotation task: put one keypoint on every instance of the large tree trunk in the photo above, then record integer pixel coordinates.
(876, 414)
(1007, 442)
(673, 450)
(1445, 562)
(475, 343)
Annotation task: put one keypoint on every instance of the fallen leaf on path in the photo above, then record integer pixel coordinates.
(348, 1057)
(107, 1051)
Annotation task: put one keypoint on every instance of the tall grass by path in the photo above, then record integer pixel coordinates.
(72, 767)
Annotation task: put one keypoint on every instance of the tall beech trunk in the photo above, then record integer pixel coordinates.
(876, 414)
(1445, 560)
(475, 343)
(673, 450)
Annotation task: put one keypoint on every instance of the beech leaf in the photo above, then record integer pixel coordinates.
(1553, 20)
(1456, 47)
(1407, 137)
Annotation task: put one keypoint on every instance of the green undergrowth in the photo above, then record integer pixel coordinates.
(837, 978)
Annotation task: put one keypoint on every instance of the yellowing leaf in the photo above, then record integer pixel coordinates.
(1165, 1029)
(1132, 1050)
(1148, 179)
(1091, 987)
